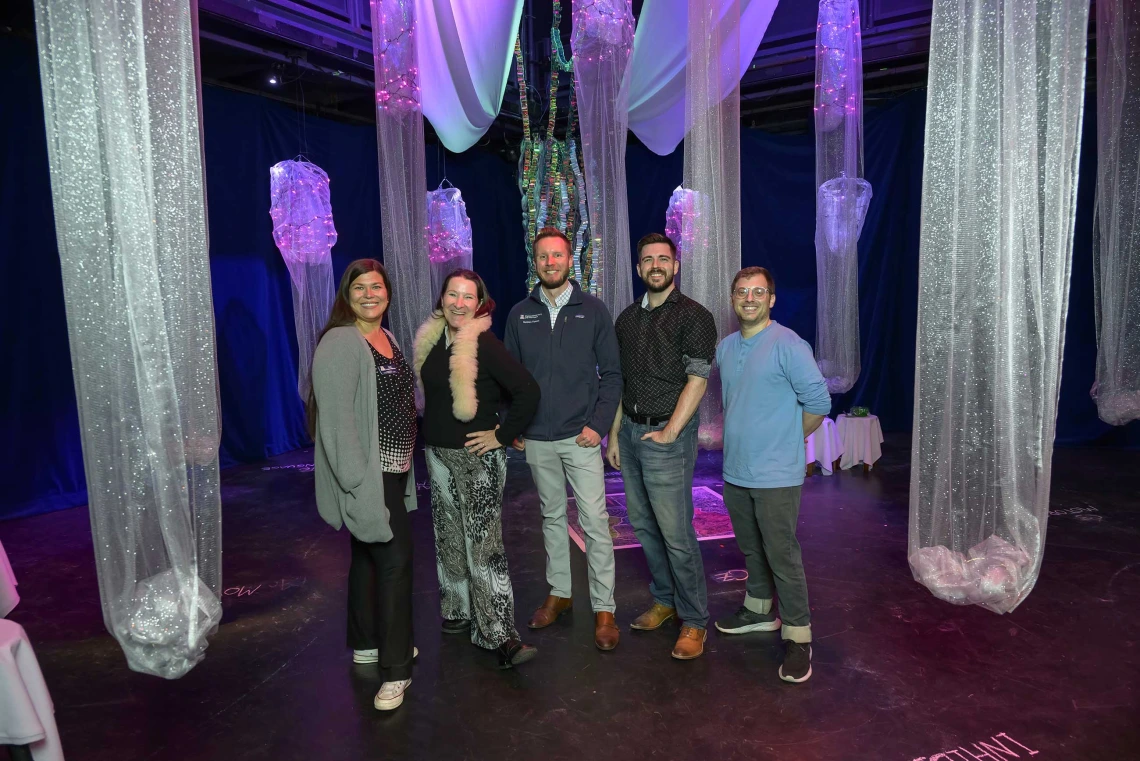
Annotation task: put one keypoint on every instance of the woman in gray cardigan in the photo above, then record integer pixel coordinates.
(363, 421)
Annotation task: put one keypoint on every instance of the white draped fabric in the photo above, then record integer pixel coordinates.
(1006, 91)
(712, 172)
(655, 81)
(1116, 230)
(121, 105)
(463, 53)
(603, 37)
(403, 182)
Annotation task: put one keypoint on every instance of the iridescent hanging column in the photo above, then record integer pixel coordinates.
(1116, 230)
(842, 195)
(448, 234)
(603, 38)
(681, 223)
(998, 202)
(121, 105)
(550, 174)
(400, 139)
(303, 230)
(712, 169)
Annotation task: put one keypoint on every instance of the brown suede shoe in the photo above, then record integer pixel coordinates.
(606, 633)
(549, 612)
(690, 644)
(653, 618)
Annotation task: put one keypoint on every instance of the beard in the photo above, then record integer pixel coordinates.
(556, 280)
(668, 281)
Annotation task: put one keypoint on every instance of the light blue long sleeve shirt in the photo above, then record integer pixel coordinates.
(767, 382)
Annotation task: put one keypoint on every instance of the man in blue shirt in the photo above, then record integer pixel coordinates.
(774, 396)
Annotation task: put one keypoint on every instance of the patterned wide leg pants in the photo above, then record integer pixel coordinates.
(467, 512)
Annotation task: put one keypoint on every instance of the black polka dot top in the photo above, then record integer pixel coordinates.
(396, 409)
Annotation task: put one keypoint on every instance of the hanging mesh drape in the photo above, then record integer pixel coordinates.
(121, 105)
(303, 230)
(842, 195)
(400, 140)
(448, 234)
(1116, 230)
(712, 169)
(998, 200)
(603, 38)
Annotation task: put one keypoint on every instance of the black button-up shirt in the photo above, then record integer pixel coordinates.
(660, 348)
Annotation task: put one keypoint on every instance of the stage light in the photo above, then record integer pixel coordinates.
(272, 79)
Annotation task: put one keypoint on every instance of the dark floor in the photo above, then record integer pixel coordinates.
(898, 675)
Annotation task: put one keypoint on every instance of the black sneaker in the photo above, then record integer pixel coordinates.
(744, 621)
(797, 662)
(455, 625)
(513, 652)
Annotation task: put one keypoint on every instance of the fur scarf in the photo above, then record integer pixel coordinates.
(464, 361)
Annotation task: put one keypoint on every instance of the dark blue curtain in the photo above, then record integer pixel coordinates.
(257, 353)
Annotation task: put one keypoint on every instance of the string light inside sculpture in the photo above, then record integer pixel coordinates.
(448, 230)
(396, 75)
(301, 211)
(681, 219)
(834, 59)
(603, 29)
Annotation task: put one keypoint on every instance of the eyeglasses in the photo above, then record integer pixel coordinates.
(759, 292)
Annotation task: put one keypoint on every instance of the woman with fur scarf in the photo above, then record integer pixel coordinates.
(466, 373)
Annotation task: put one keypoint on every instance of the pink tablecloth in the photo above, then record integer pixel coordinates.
(8, 594)
(27, 716)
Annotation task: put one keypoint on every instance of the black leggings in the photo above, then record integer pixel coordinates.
(380, 589)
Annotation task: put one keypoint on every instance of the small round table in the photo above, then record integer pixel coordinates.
(861, 438)
(824, 447)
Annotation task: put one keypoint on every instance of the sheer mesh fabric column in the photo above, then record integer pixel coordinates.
(603, 39)
(842, 195)
(999, 188)
(1116, 230)
(403, 183)
(303, 230)
(712, 171)
(121, 105)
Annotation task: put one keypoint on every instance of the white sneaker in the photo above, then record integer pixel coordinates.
(373, 655)
(391, 695)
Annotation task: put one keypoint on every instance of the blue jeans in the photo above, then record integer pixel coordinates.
(659, 500)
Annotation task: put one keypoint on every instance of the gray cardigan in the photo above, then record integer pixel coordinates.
(350, 483)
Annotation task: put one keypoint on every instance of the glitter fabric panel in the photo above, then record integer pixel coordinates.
(300, 206)
(403, 183)
(999, 191)
(712, 171)
(1116, 231)
(602, 41)
(842, 195)
(121, 104)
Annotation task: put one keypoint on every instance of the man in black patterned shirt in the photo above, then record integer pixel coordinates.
(668, 344)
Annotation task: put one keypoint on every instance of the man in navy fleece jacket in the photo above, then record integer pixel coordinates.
(566, 339)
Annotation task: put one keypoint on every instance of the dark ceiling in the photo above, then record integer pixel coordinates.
(317, 53)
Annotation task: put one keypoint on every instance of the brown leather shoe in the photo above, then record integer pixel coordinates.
(549, 612)
(606, 633)
(690, 644)
(654, 617)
